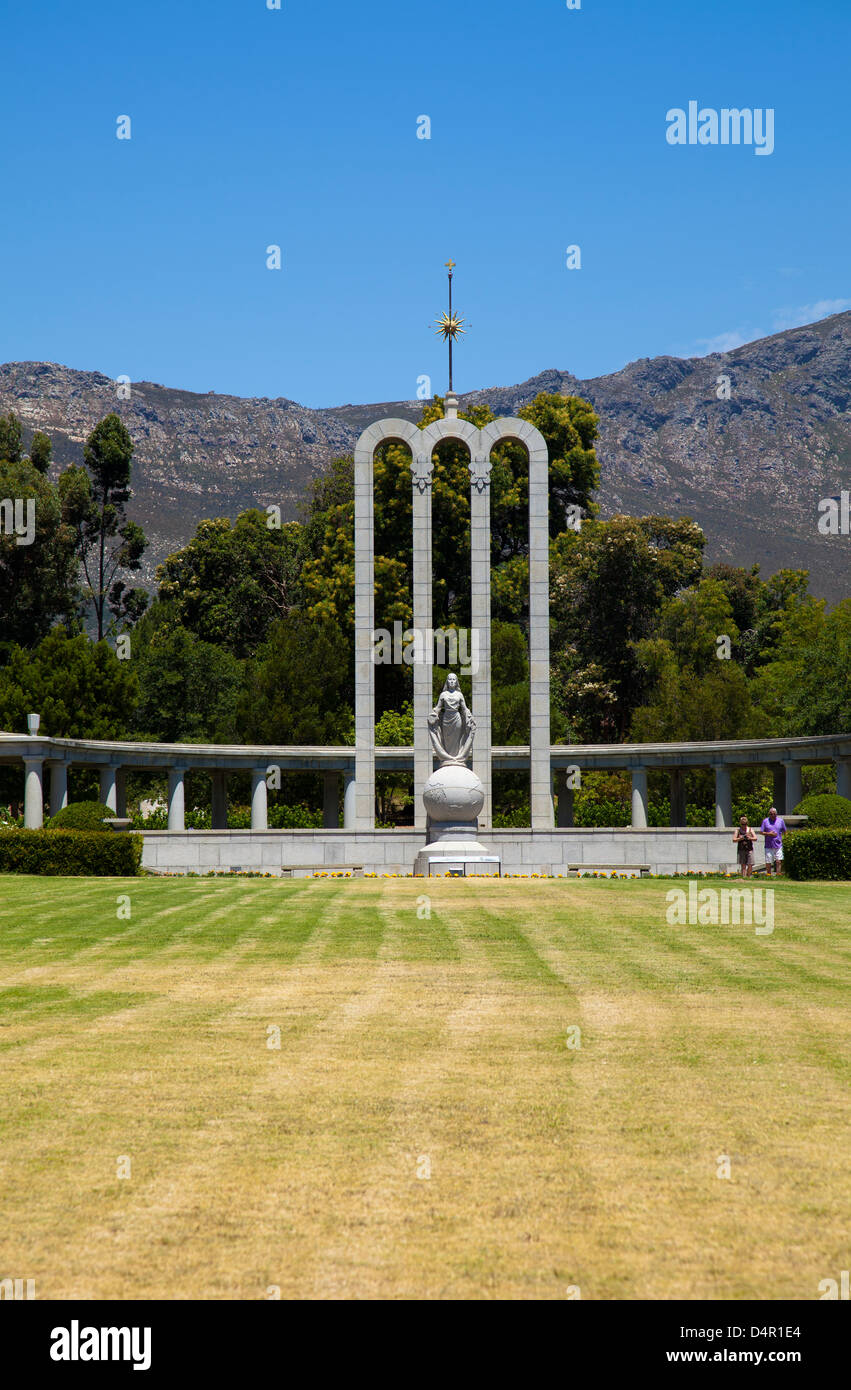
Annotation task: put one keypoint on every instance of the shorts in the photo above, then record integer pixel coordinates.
(746, 860)
(773, 856)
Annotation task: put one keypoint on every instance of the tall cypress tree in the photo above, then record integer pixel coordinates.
(95, 500)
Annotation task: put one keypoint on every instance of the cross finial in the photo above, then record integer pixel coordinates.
(451, 324)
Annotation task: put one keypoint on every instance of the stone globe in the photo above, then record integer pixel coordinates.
(453, 793)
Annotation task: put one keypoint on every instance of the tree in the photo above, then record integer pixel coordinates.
(510, 589)
(299, 688)
(570, 427)
(758, 607)
(95, 501)
(233, 581)
(696, 688)
(395, 729)
(608, 585)
(11, 444)
(806, 688)
(11, 438)
(693, 620)
(80, 688)
(40, 451)
(692, 708)
(328, 576)
(510, 696)
(188, 689)
(38, 578)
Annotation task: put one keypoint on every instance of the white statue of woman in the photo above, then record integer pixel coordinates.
(451, 726)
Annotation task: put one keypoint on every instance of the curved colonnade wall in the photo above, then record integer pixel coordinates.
(46, 763)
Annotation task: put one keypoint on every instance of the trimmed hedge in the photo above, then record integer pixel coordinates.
(81, 815)
(826, 809)
(75, 853)
(818, 854)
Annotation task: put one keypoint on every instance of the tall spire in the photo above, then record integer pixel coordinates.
(449, 325)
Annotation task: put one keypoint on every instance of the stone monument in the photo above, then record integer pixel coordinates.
(453, 795)
(422, 443)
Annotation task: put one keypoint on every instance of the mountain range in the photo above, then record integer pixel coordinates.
(746, 442)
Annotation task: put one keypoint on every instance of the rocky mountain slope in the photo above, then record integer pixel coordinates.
(195, 456)
(750, 469)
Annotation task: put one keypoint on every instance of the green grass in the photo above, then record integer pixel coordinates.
(423, 1026)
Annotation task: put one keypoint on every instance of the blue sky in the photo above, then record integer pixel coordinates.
(298, 127)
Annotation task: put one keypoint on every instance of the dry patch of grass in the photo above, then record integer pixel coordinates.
(422, 1129)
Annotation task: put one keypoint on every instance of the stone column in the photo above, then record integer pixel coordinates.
(349, 802)
(176, 799)
(794, 786)
(480, 623)
(678, 796)
(639, 798)
(723, 795)
(259, 800)
(219, 799)
(121, 792)
(331, 800)
(108, 793)
(539, 637)
(33, 793)
(364, 646)
(564, 800)
(422, 468)
(779, 795)
(58, 787)
(843, 777)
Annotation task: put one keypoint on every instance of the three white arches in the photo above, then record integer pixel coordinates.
(422, 443)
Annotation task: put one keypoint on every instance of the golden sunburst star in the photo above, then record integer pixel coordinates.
(449, 326)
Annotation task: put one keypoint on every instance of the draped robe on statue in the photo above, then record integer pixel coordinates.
(451, 726)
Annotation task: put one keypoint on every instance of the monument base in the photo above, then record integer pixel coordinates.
(453, 796)
(461, 858)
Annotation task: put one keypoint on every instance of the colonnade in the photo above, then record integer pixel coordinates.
(787, 791)
(46, 762)
(113, 793)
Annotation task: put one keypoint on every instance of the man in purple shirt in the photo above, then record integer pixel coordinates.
(773, 828)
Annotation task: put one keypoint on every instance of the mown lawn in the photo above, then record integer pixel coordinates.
(423, 1129)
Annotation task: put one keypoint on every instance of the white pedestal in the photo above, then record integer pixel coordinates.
(457, 858)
